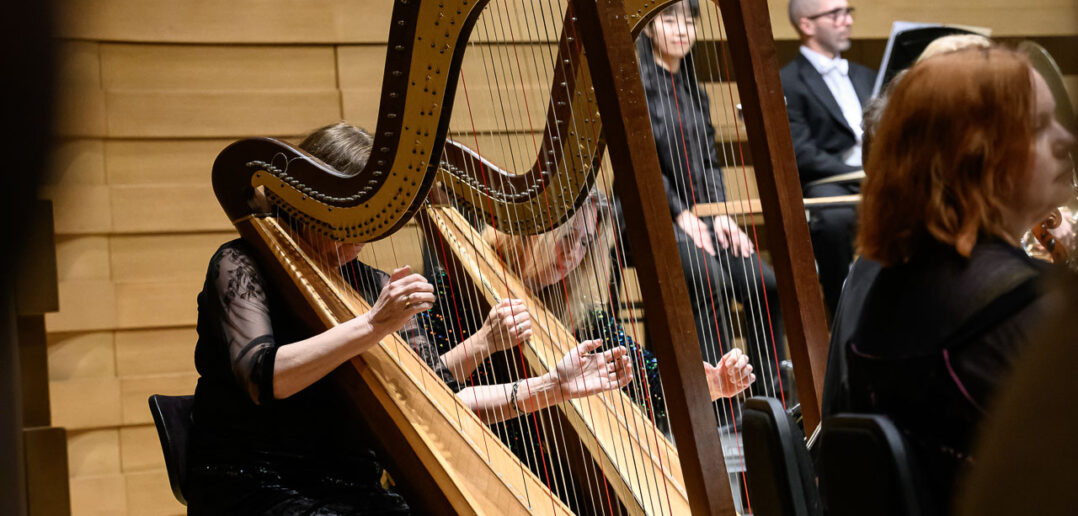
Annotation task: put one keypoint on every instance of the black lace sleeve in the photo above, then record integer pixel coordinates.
(245, 322)
(600, 325)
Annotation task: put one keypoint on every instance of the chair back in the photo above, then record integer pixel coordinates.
(780, 476)
(172, 415)
(866, 468)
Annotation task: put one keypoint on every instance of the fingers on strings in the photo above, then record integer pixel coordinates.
(413, 291)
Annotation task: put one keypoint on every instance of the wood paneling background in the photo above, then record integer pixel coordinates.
(151, 90)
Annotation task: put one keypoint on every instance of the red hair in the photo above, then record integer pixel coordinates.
(950, 153)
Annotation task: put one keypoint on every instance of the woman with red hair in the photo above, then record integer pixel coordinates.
(966, 158)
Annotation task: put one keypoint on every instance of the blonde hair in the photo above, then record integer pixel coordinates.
(952, 43)
(585, 287)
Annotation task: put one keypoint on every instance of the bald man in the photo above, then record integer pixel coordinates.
(825, 95)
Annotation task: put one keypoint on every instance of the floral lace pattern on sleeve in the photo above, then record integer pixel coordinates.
(245, 322)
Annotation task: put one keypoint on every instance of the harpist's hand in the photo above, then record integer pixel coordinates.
(732, 375)
(581, 372)
(405, 295)
(507, 325)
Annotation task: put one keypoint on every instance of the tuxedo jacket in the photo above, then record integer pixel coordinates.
(820, 133)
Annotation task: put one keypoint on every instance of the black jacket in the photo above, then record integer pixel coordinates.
(936, 339)
(820, 132)
(684, 135)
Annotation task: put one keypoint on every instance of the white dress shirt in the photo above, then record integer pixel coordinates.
(836, 74)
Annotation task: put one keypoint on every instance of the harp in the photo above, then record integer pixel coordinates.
(438, 448)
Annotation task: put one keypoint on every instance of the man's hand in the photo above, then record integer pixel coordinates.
(697, 231)
(731, 237)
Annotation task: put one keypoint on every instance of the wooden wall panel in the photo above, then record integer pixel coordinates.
(86, 403)
(361, 66)
(80, 109)
(173, 114)
(81, 355)
(79, 209)
(93, 452)
(156, 351)
(82, 257)
(98, 495)
(357, 108)
(159, 304)
(84, 305)
(241, 21)
(740, 183)
(140, 449)
(77, 161)
(148, 494)
(213, 67)
(136, 390)
(508, 109)
(136, 162)
(166, 209)
(156, 257)
(345, 21)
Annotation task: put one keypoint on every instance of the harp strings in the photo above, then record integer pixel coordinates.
(494, 63)
(732, 146)
(540, 428)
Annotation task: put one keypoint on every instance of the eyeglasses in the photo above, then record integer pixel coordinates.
(835, 14)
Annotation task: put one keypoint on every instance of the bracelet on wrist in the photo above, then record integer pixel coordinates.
(513, 398)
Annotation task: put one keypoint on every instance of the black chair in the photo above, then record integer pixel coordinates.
(779, 473)
(172, 415)
(865, 468)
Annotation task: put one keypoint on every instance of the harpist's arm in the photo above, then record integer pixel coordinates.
(507, 325)
(302, 363)
(267, 371)
(579, 373)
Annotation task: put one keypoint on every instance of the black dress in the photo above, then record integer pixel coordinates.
(251, 453)
(936, 338)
